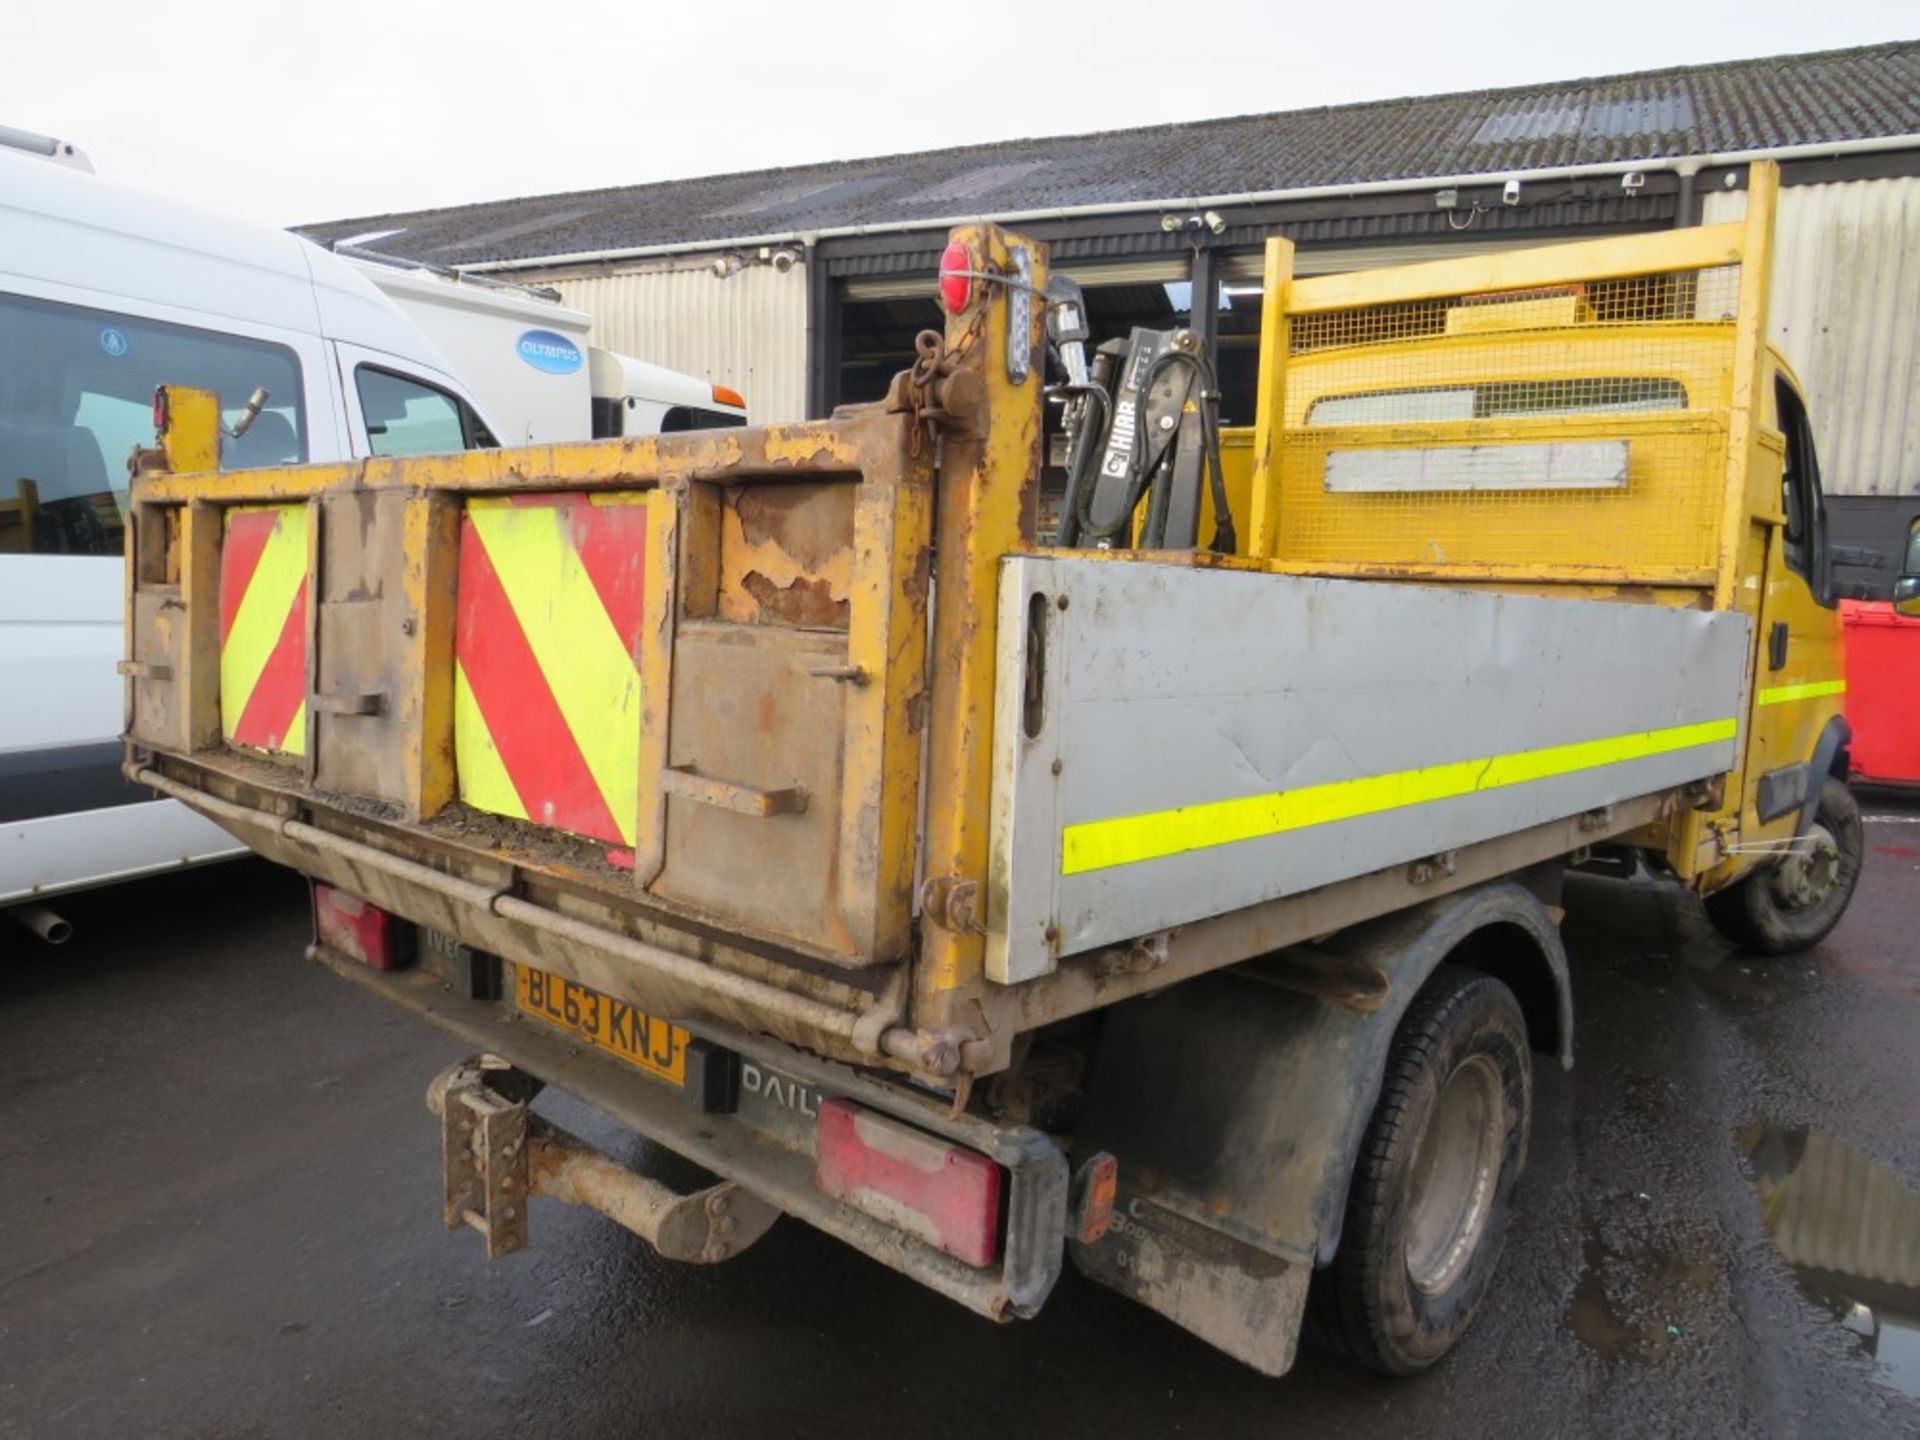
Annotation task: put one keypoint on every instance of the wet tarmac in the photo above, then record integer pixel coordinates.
(222, 1221)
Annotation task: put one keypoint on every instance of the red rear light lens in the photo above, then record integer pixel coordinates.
(956, 278)
(349, 926)
(160, 410)
(944, 1194)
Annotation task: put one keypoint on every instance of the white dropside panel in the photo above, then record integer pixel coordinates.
(1194, 741)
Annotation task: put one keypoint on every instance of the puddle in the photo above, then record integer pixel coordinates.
(1621, 1306)
(1850, 1229)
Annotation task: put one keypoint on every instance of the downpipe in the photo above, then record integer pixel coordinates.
(52, 928)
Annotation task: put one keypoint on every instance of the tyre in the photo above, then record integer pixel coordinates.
(1793, 905)
(1427, 1206)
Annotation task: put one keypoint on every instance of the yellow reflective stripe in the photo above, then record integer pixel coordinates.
(483, 778)
(262, 615)
(1812, 690)
(593, 678)
(1123, 840)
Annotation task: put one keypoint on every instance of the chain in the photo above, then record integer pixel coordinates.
(933, 362)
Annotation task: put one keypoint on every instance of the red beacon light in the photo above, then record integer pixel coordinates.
(956, 278)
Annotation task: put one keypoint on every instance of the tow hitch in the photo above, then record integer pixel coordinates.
(497, 1155)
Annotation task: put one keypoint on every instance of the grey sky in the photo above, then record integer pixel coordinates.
(320, 111)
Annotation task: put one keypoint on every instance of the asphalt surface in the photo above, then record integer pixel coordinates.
(221, 1219)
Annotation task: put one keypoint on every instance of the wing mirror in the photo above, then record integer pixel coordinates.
(1906, 590)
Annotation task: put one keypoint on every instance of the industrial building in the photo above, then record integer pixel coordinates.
(803, 287)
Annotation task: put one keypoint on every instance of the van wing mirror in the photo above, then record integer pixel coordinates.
(1906, 589)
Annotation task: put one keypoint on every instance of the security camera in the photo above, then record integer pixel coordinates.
(1633, 180)
(1216, 222)
(1510, 193)
(783, 261)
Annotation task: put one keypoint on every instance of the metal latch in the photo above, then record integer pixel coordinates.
(682, 780)
(368, 704)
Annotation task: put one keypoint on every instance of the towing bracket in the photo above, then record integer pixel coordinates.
(497, 1155)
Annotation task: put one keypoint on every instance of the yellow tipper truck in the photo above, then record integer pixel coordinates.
(985, 897)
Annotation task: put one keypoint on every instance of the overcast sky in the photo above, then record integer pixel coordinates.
(338, 108)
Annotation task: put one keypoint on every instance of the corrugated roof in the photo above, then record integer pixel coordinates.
(1786, 100)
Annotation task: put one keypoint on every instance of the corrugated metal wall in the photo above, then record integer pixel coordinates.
(748, 330)
(1846, 297)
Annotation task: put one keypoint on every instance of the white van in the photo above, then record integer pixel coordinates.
(106, 292)
(529, 360)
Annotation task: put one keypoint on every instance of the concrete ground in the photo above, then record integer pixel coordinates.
(220, 1187)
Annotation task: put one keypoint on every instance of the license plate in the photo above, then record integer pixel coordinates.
(652, 1044)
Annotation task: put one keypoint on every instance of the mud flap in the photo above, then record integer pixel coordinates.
(1244, 1301)
(1236, 1103)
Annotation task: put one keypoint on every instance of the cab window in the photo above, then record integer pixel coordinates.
(1800, 496)
(76, 397)
(405, 416)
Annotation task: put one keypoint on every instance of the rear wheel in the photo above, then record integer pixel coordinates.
(1793, 905)
(1427, 1208)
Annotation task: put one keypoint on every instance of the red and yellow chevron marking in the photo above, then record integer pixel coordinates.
(546, 699)
(263, 628)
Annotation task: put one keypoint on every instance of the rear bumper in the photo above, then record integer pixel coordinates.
(755, 1149)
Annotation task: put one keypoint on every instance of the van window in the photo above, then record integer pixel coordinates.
(692, 417)
(76, 396)
(405, 416)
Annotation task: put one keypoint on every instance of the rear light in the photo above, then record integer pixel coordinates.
(1094, 1188)
(349, 926)
(956, 278)
(722, 395)
(944, 1194)
(160, 410)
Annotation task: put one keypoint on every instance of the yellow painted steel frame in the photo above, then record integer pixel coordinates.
(1738, 538)
(988, 500)
(174, 586)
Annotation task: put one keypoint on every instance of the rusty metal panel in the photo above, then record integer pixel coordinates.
(786, 554)
(1846, 286)
(750, 714)
(748, 330)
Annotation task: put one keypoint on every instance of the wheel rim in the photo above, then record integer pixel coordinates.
(1807, 876)
(1455, 1169)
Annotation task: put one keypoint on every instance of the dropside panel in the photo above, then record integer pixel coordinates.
(1176, 742)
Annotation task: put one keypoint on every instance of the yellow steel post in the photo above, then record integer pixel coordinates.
(985, 503)
(197, 683)
(430, 545)
(886, 656)
(191, 439)
(1749, 365)
(1270, 417)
